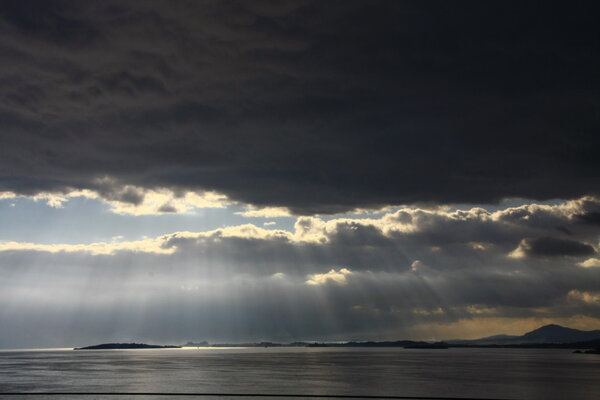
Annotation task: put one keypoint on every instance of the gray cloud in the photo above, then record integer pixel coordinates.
(406, 268)
(167, 208)
(591, 217)
(554, 247)
(318, 107)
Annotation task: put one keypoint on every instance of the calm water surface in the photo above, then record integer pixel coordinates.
(469, 373)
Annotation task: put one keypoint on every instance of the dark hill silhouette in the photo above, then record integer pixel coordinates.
(559, 334)
(486, 340)
(546, 334)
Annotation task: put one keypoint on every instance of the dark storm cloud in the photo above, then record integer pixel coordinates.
(167, 208)
(555, 247)
(590, 218)
(318, 106)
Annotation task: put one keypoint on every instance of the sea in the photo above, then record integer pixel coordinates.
(469, 373)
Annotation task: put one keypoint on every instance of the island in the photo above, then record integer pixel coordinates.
(120, 346)
(591, 351)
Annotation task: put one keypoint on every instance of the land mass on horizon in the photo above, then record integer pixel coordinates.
(548, 336)
(121, 346)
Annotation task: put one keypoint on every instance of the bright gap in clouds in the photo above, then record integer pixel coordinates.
(84, 219)
(405, 272)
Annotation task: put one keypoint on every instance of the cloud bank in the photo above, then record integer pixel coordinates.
(309, 106)
(409, 273)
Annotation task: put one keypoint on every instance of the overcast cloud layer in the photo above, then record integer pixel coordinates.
(315, 106)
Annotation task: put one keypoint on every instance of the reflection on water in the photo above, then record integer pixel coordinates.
(469, 373)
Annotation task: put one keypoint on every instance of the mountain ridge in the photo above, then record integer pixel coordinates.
(551, 333)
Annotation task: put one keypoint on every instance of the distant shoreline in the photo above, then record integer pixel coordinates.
(406, 344)
(125, 346)
(545, 337)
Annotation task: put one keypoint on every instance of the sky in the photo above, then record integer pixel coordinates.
(297, 170)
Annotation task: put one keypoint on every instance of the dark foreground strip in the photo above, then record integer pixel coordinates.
(312, 396)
